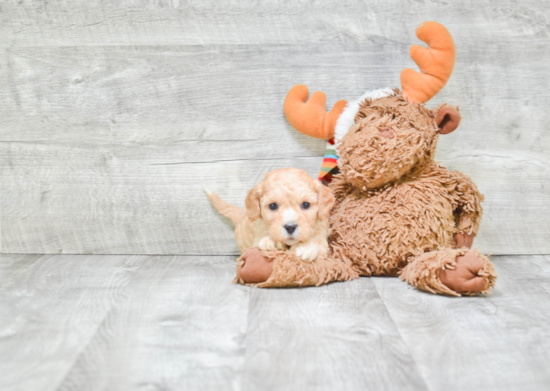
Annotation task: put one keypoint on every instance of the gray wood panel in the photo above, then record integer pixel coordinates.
(96, 322)
(107, 200)
(181, 326)
(171, 94)
(334, 337)
(101, 199)
(154, 22)
(114, 136)
(499, 342)
(50, 308)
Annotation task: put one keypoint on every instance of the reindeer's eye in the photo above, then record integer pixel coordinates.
(273, 206)
(305, 205)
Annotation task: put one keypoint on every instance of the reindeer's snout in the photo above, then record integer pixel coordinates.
(387, 132)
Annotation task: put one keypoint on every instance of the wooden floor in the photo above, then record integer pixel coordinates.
(97, 322)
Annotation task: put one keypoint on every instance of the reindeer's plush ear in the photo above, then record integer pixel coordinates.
(325, 201)
(447, 118)
(252, 202)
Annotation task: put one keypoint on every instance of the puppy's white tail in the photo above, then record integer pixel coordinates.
(232, 212)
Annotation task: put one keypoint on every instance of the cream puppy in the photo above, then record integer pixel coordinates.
(288, 210)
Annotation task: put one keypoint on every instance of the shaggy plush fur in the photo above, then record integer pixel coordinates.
(424, 273)
(290, 270)
(396, 211)
(381, 229)
(347, 118)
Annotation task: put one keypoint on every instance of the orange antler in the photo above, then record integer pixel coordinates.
(310, 116)
(435, 62)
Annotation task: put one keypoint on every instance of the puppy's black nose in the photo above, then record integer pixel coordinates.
(291, 227)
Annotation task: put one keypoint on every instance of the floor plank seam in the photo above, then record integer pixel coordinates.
(242, 372)
(237, 254)
(402, 339)
(236, 160)
(115, 304)
(130, 255)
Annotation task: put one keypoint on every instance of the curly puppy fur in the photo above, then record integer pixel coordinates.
(287, 210)
(395, 208)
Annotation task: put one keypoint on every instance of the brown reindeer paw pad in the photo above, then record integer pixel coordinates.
(467, 276)
(254, 267)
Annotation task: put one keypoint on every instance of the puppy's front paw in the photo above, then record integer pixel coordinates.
(307, 251)
(267, 244)
(281, 246)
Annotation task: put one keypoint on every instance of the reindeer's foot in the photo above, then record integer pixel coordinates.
(253, 267)
(467, 276)
(449, 271)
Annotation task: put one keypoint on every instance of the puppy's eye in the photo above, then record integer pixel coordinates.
(273, 206)
(305, 205)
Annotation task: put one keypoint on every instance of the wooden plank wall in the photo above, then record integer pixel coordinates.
(115, 114)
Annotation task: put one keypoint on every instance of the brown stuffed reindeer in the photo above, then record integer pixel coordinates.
(397, 212)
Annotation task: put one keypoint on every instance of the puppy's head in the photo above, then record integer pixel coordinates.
(291, 203)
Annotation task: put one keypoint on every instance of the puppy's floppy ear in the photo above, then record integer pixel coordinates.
(325, 200)
(252, 202)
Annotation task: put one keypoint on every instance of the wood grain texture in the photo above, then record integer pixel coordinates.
(181, 326)
(163, 22)
(119, 201)
(96, 322)
(100, 199)
(498, 342)
(214, 93)
(99, 98)
(112, 148)
(50, 308)
(338, 336)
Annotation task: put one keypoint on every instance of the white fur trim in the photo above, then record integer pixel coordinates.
(347, 118)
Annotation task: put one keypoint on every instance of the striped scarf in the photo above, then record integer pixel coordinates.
(330, 163)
